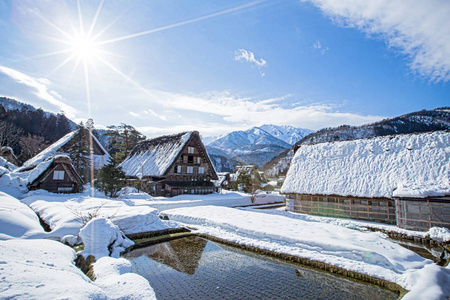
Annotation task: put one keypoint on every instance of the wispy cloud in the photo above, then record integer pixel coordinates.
(419, 29)
(146, 113)
(40, 89)
(234, 111)
(248, 57)
(318, 46)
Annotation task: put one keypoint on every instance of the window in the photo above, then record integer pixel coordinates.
(190, 159)
(58, 175)
(191, 150)
(190, 169)
(201, 170)
(199, 161)
(177, 169)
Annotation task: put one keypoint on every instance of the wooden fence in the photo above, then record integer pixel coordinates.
(376, 210)
(423, 213)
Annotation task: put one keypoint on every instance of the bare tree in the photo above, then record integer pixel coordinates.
(9, 134)
(31, 145)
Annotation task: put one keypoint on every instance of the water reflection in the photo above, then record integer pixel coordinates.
(182, 255)
(194, 268)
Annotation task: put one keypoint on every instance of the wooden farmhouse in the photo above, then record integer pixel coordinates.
(100, 155)
(399, 179)
(52, 169)
(57, 175)
(171, 165)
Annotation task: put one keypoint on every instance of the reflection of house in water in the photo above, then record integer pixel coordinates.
(182, 255)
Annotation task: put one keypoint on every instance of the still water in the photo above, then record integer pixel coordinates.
(195, 268)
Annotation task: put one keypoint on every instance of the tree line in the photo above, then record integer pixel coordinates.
(28, 132)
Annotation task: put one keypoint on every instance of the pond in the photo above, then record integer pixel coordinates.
(195, 268)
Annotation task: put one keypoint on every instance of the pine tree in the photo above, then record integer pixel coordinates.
(122, 140)
(112, 178)
(78, 150)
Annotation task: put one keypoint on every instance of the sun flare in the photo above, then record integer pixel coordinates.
(83, 47)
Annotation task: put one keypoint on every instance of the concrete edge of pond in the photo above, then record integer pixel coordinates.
(152, 238)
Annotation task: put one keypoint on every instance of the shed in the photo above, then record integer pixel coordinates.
(398, 179)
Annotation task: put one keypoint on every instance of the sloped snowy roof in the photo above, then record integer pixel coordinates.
(153, 157)
(411, 165)
(55, 148)
(29, 176)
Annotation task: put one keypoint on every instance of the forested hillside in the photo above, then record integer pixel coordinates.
(28, 130)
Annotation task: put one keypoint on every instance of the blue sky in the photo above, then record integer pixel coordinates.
(217, 66)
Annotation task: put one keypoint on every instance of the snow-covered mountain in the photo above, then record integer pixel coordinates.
(286, 133)
(257, 145)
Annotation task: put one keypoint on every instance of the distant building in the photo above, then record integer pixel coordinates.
(171, 165)
(399, 179)
(224, 180)
(255, 181)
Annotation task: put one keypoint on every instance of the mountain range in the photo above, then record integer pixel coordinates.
(256, 145)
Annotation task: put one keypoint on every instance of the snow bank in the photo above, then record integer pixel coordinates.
(42, 269)
(363, 252)
(264, 198)
(115, 278)
(431, 282)
(16, 219)
(439, 234)
(65, 213)
(102, 238)
(411, 165)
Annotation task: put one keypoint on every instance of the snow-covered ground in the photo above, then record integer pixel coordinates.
(34, 266)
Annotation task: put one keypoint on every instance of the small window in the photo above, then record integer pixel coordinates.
(190, 169)
(199, 161)
(178, 169)
(190, 159)
(201, 170)
(191, 150)
(58, 175)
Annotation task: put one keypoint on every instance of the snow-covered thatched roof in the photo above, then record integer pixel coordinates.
(56, 148)
(153, 157)
(410, 165)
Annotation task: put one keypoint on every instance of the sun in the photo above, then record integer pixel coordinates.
(83, 47)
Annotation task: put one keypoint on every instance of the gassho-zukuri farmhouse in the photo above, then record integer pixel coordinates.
(399, 179)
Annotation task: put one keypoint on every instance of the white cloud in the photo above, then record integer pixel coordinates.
(248, 56)
(318, 46)
(419, 29)
(41, 90)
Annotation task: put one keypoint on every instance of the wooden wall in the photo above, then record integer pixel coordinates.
(369, 209)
